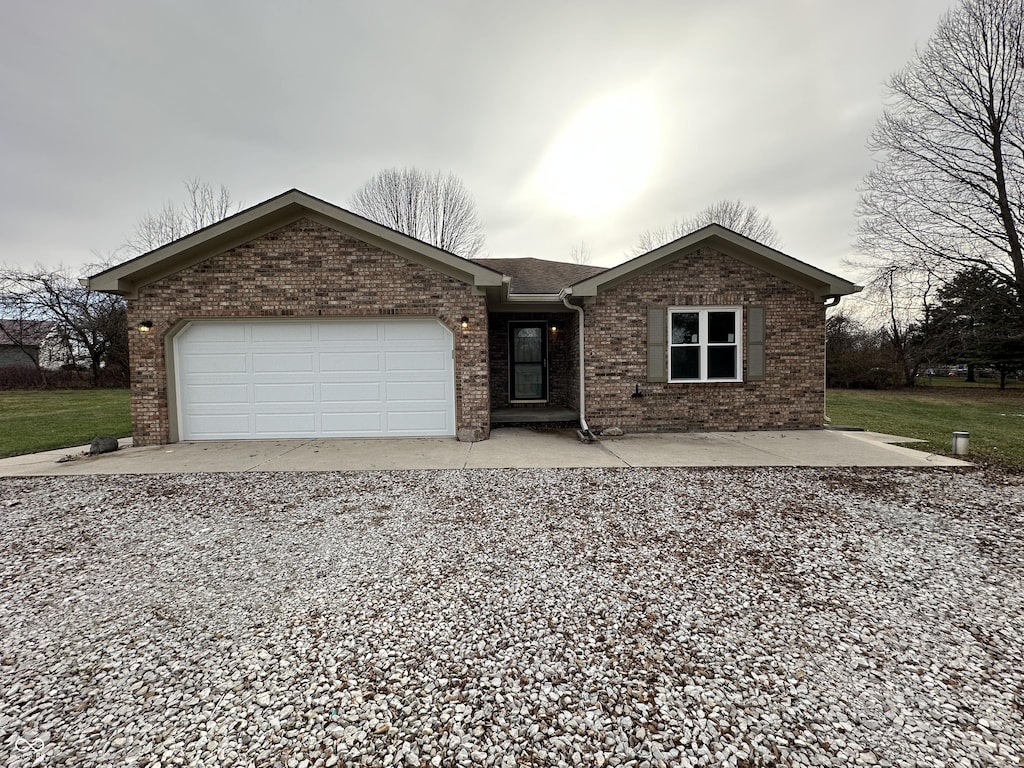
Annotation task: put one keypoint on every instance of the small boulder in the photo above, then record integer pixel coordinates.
(611, 432)
(470, 435)
(102, 444)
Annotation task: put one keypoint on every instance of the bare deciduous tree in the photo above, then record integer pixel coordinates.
(89, 324)
(948, 190)
(91, 327)
(203, 206)
(580, 253)
(736, 215)
(433, 207)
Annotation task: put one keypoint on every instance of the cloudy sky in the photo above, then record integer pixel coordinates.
(567, 121)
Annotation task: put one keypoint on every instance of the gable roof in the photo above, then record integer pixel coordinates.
(28, 333)
(824, 284)
(518, 280)
(272, 214)
(540, 276)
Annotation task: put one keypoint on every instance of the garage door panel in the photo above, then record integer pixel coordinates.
(218, 394)
(342, 424)
(413, 422)
(215, 363)
(218, 426)
(282, 332)
(339, 378)
(281, 424)
(417, 391)
(350, 362)
(353, 392)
(285, 393)
(413, 331)
(416, 377)
(284, 362)
(217, 333)
(415, 361)
(351, 331)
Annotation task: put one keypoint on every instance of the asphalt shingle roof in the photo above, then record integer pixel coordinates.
(28, 332)
(539, 275)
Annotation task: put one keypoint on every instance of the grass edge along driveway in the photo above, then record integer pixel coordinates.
(44, 420)
(994, 418)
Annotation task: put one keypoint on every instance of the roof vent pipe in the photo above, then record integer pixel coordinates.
(584, 429)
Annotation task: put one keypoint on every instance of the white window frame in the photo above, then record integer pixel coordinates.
(703, 344)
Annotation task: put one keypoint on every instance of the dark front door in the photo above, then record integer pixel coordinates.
(528, 362)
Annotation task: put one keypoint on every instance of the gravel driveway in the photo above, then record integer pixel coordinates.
(514, 618)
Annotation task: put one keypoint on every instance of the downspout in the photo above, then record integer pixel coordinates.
(830, 301)
(585, 434)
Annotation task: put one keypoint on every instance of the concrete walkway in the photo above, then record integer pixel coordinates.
(508, 447)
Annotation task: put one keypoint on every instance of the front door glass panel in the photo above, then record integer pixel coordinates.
(528, 362)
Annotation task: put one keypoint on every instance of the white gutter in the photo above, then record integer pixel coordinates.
(583, 415)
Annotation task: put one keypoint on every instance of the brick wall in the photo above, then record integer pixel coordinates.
(305, 269)
(792, 396)
(563, 368)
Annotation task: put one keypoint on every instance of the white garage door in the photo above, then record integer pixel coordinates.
(329, 378)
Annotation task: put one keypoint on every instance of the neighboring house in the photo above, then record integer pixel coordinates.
(296, 318)
(22, 342)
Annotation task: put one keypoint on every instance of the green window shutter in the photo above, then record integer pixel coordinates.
(657, 354)
(755, 343)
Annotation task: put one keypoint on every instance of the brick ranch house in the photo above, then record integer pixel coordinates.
(297, 318)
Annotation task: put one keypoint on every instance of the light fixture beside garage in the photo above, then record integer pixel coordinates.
(145, 326)
(465, 322)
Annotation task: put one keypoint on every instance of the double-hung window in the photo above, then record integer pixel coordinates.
(705, 344)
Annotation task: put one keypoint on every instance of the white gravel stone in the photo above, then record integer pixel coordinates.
(514, 617)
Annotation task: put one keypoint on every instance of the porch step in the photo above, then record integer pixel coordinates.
(503, 417)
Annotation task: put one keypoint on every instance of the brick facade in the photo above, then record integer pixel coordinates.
(305, 270)
(792, 396)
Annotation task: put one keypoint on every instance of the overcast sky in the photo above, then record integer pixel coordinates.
(567, 121)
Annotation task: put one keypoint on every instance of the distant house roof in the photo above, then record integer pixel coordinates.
(26, 333)
(539, 276)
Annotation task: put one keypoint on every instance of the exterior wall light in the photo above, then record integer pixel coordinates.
(145, 326)
(465, 322)
(554, 329)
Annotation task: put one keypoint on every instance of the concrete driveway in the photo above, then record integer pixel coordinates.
(520, 448)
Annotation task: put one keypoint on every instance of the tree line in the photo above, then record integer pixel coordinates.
(963, 329)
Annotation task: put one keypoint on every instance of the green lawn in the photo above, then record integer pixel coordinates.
(994, 418)
(41, 420)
